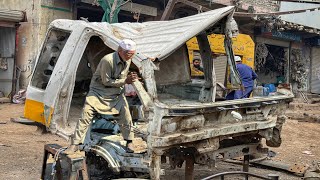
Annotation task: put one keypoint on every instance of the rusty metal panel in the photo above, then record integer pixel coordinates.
(11, 15)
(220, 66)
(315, 69)
(7, 42)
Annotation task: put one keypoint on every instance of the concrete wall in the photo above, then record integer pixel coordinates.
(27, 34)
(39, 14)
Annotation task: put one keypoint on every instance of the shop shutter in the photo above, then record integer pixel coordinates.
(315, 69)
(220, 65)
(7, 50)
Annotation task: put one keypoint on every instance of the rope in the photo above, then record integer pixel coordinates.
(56, 158)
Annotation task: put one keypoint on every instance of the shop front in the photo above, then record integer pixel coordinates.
(8, 33)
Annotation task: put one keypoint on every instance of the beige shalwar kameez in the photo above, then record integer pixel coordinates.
(106, 96)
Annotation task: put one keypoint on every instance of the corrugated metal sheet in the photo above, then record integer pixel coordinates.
(11, 15)
(315, 69)
(154, 38)
(307, 18)
(7, 41)
(220, 66)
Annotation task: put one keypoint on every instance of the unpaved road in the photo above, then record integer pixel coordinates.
(21, 148)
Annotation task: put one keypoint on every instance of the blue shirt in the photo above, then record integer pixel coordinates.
(247, 75)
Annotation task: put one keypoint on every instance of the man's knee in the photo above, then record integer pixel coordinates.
(88, 111)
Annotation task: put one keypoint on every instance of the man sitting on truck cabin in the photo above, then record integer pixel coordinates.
(247, 76)
(106, 94)
(197, 65)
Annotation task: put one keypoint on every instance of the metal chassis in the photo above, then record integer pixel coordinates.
(245, 174)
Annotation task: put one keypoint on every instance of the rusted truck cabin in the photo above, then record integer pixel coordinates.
(184, 119)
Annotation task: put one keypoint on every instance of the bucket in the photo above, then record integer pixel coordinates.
(271, 87)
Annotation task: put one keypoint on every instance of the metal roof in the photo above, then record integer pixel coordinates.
(308, 18)
(11, 15)
(157, 39)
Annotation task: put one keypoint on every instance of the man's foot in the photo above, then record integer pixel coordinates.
(72, 149)
(129, 147)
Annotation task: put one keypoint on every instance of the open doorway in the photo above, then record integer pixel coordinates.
(271, 67)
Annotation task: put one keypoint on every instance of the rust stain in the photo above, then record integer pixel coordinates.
(116, 32)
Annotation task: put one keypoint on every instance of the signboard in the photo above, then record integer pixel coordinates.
(281, 35)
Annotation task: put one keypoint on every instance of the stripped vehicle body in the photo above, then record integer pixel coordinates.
(183, 118)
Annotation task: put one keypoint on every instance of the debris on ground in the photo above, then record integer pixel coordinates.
(20, 97)
(307, 152)
(313, 172)
(4, 145)
(304, 112)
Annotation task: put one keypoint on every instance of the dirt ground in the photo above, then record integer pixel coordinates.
(21, 149)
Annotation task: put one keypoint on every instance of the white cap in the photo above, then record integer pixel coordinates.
(128, 45)
(237, 58)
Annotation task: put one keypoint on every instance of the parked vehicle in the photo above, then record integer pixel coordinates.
(183, 120)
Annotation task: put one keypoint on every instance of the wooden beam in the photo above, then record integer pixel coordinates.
(195, 5)
(143, 9)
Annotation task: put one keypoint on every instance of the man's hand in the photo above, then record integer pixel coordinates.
(132, 76)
